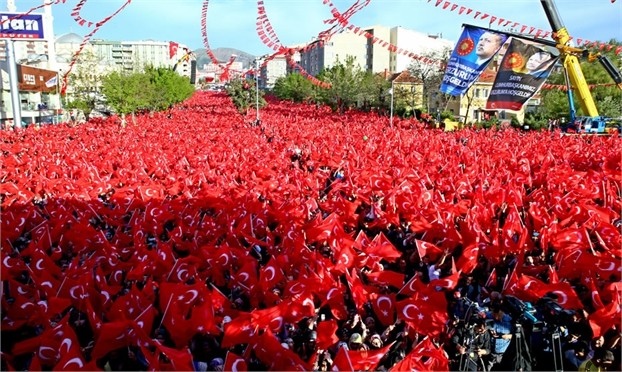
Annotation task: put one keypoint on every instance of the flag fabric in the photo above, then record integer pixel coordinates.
(523, 70)
(172, 49)
(235, 363)
(52, 82)
(474, 50)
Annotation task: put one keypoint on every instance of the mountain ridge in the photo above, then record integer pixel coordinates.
(223, 55)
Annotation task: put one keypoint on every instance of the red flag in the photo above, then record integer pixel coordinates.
(386, 278)
(366, 360)
(594, 294)
(603, 319)
(426, 312)
(384, 308)
(326, 336)
(180, 360)
(270, 275)
(428, 249)
(239, 330)
(172, 48)
(235, 363)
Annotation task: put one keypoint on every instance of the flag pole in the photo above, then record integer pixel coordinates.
(392, 94)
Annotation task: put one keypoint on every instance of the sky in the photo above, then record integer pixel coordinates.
(231, 23)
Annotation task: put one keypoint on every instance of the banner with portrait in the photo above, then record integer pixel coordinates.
(474, 50)
(523, 70)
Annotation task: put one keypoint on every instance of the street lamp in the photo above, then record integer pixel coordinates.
(257, 121)
(392, 92)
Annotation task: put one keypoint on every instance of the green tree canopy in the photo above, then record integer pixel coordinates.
(294, 87)
(608, 98)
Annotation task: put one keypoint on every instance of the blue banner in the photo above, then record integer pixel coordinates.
(474, 50)
(21, 26)
(523, 70)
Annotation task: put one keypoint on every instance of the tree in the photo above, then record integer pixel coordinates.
(167, 88)
(608, 99)
(294, 87)
(156, 89)
(346, 80)
(431, 76)
(243, 94)
(84, 83)
(126, 93)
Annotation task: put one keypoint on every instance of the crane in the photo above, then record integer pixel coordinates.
(575, 79)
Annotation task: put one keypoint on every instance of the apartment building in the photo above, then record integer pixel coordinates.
(271, 71)
(369, 49)
(418, 43)
(368, 54)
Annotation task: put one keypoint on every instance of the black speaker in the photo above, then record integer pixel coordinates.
(193, 72)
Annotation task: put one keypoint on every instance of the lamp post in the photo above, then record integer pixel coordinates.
(257, 121)
(392, 92)
(413, 90)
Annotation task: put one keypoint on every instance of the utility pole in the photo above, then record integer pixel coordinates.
(392, 94)
(257, 121)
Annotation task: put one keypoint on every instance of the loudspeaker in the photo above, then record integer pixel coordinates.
(193, 72)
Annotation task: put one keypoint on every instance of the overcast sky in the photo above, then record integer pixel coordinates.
(231, 23)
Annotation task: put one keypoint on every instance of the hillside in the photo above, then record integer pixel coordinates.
(223, 55)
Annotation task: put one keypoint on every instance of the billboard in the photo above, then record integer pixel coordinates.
(523, 71)
(21, 26)
(470, 57)
(32, 79)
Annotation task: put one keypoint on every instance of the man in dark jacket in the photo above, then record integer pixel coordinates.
(472, 345)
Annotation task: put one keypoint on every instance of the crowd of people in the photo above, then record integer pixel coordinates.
(193, 240)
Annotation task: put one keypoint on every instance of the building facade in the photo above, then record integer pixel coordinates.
(418, 43)
(367, 54)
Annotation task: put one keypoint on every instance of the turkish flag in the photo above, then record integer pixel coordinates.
(239, 330)
(179, 360)
(386, 278)
(326, 336)
(426, 312)
(603, 319)
(366, 360)
(114, 335)
(172, 49)
(235, 363)
(270, 275)
(381, 248)
(384, 307)
(334, 298)
(594, 293)
(413, 286)
(428, 249)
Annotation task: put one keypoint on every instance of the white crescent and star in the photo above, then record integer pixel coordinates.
(270, 269)
(382, 299)
(406, 309)
(562, 295)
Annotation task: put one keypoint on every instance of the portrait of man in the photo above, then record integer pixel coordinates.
(488, 44)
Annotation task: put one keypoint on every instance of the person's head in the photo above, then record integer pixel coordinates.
(488, 45)
(480, 326)
(370, 322)
(581, 349)
(356, 341)
(497, 314)
(538, 61)
(602, 358)
(376, 341)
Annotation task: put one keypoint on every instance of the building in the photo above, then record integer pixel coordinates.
(369, 48)
(135, 55)
(367, 54)
(418, 43)
(271, 71)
